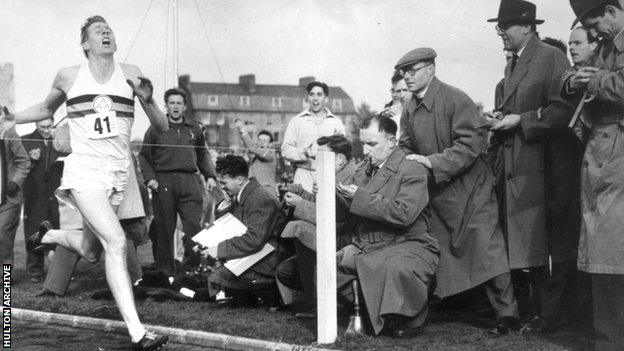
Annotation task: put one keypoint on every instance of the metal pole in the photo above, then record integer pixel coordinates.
(326, 248)
(174, 3)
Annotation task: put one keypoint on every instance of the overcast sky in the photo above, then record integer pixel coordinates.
(349, 43)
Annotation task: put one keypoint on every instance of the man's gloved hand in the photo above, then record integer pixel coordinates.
(12, 189)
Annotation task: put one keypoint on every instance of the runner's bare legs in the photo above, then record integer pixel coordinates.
(81, 241)
(100, 216)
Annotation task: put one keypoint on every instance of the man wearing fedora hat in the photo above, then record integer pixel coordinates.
(535, 166)
(601, 246)
(439, 129)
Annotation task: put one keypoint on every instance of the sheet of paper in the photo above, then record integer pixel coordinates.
(240, 265)
(226, 227)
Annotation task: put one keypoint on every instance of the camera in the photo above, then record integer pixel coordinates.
(282, 189)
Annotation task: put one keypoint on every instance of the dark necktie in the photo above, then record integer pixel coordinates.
(371, 171)
(607, 48)
(514, 60)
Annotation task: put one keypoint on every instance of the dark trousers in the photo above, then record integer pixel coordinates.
(608, 303)
(299, 272)
(178, 194)
(37, 210)
(9, 220)
(64, 262)
(549, 295)
(500, 293)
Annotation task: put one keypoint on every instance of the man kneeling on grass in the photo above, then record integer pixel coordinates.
(261, 213)
(393, 255)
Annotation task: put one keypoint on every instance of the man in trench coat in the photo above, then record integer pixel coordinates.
(601, 244)
(440, 130)
(393, 254)
(537, 165)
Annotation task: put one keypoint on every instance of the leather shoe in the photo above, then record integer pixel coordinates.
(150, 341)
(505, 325)
(406, 332)
(539, 325)
(33, 244)
(45, 292)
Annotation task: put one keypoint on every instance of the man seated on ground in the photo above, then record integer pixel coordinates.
(393, 255)
(298, 271)
(261, 213)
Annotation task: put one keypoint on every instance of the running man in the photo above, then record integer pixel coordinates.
(100, 106)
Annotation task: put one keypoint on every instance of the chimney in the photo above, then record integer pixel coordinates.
(304, 81)
(249, 81)
(184, 81)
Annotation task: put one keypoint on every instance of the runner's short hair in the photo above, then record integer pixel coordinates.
(84, 30)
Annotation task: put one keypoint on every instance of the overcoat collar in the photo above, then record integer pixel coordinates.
(428, 99)
(385, 173)
(512, 80)
(251, 186)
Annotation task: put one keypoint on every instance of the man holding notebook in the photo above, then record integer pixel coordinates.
(261, 213)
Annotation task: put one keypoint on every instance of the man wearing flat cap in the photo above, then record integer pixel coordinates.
(537, 162)
(601, 246)
(440, 130)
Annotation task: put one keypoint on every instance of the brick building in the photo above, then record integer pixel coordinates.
(260, 106)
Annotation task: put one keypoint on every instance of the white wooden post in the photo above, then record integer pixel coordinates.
(327, 327)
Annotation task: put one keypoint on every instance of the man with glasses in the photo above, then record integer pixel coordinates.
(601, 243)
(439, 130)
(536, 167)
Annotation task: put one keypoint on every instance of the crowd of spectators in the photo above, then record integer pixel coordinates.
(525, 201)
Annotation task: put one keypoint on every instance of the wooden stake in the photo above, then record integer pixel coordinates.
(326, 248)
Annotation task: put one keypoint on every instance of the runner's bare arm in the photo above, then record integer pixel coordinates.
(55, 98)
(143, 89)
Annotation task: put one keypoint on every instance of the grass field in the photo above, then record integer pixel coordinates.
(448, 330)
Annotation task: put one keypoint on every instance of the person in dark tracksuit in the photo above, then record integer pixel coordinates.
(169, 163)
(40, 204)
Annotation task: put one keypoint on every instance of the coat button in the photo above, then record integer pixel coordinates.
(509, 177)
(605, 135)
(599, 164)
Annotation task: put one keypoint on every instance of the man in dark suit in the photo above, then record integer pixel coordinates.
(40, 204)
(261, 213)
(538, 165)
(392, 255)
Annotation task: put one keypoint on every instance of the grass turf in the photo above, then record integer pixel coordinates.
(446, 331)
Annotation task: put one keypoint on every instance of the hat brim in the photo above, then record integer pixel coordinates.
(579, 17)
(536, 21)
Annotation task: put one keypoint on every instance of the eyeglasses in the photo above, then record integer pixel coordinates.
(503, 26)
(411, 71)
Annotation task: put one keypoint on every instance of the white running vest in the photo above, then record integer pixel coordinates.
(100, 116)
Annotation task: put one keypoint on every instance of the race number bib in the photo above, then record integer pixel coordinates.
(102, 125)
